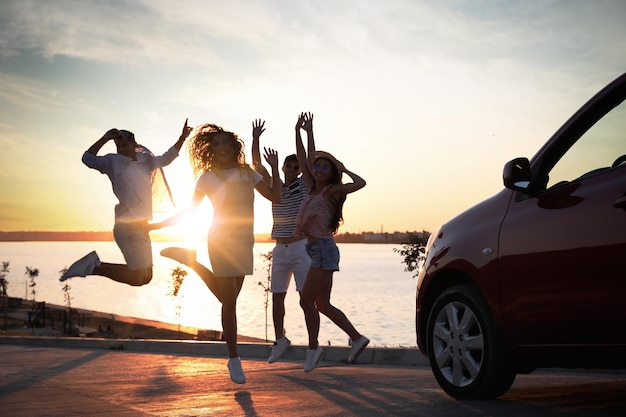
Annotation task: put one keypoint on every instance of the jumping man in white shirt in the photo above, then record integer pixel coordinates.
(131, 171)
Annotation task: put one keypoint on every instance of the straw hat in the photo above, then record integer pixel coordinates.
(327, 155)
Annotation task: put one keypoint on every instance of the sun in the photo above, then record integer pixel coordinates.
(194, 226)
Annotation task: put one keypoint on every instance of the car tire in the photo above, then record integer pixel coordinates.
(466, 351)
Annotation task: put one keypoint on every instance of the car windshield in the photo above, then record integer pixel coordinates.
(595, 152)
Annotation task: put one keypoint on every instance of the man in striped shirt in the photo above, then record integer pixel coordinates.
(289, 256)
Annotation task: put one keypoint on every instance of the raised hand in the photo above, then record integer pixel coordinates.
(300, 121)
(258, 127)
(341, 167)
(307, 121)
(112, 134)
(271, 156)
(186, 130)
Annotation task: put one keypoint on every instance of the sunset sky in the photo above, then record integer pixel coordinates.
(425, 100)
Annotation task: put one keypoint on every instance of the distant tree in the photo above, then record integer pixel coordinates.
(32, 273)
(4, 284)
(68, 328)
(178, 276)
(267, 258)
(413, 252)
(66, 291)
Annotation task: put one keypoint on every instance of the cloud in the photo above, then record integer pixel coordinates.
(233, 37)
(30, 93)
(397, 86)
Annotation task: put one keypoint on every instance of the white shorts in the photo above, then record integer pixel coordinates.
(134, 242)
(288, 259)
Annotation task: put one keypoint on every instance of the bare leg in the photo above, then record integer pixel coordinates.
(278, 314)
(307, 302)
(187, 257)
(315, 299)
(206, 275)
(229, 288)
(121, 273)
(333, 313)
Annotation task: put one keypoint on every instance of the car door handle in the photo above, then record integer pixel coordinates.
(620, 202)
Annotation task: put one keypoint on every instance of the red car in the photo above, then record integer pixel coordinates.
(534, 276)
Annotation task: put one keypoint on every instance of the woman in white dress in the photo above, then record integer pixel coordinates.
(229, 183)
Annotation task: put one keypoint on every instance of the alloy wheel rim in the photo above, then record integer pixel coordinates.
(458, 344)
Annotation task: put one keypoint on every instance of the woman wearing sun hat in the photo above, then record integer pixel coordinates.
(319, 218)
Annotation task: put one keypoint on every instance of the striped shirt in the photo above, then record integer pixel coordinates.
(285, 212)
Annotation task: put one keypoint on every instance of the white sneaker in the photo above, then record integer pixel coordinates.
(82, 267)
(357, 347)
(312, 358)
(236, 371)
(184, 256)
(278, 349)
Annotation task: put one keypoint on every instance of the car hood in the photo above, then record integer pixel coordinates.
(474, 234)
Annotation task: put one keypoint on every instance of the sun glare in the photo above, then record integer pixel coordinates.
(194, 226)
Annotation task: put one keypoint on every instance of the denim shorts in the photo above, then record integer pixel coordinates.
(324, 254)
(134, 242)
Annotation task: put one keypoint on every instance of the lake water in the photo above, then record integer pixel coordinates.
(372, 289)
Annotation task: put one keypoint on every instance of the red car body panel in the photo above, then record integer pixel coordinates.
(551, 265)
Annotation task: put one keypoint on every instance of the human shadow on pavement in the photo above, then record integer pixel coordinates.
(362, 395)
(161, 384)
(247, 404)
(44, 371)
(356, 393)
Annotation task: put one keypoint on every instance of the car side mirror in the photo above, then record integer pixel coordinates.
(516, 174)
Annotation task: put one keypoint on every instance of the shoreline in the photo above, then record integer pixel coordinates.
(395, 238)
(25, 317)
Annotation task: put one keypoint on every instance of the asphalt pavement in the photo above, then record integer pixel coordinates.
(48, 376)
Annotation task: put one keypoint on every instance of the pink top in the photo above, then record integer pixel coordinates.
(315, 215)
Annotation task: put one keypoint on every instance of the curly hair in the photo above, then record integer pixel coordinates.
(337, 204)
(201, 155)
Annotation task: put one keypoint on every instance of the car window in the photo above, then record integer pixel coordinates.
(596, 151)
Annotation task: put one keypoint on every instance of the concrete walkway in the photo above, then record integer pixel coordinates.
(372, 356)
(48, 376)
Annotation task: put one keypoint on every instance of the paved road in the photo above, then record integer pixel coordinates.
(57, 381)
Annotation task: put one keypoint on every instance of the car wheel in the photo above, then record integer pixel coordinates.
(466, 351)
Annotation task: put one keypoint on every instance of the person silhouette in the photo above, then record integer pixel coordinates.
(134, 173)
(289, 255)
(318, 220)
(217, 157)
